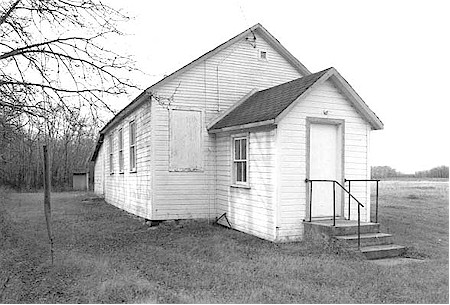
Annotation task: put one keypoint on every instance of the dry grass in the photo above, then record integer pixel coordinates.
(417, 213)
(104, 255)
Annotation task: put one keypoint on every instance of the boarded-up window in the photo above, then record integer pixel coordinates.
(185, 141)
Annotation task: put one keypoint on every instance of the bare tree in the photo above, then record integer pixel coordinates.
(55, 54)
(57, 70)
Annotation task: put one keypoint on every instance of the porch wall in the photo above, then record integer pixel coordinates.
(291, 146)
(250, 210)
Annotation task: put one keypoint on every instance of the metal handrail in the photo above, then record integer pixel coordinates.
(376, 197)
(334, 203)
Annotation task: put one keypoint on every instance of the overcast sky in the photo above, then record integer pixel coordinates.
(395, 54)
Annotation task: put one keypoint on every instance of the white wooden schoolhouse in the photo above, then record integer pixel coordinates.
(240, 132)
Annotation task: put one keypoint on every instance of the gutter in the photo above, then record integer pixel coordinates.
(243, 126)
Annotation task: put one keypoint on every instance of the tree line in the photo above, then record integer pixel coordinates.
(69, 141)
(436, 172)
(56, 75)
(380, 172)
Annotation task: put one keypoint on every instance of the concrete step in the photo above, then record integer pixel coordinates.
(374, 245)
(342, 227)
(382, 251)
(367, 239)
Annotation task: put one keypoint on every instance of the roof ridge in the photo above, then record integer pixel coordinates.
(297, 79)
(251, 29)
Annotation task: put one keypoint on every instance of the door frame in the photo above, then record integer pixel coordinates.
(340, 123)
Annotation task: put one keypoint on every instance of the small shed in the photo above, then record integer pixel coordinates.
(80, 181)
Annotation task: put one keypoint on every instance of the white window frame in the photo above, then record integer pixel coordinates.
(235, 161)
(266, 54)
(120, 143)
(111, 154)
(133, 146)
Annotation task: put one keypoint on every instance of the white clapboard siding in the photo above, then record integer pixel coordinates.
(99, 172)
(212, 87)
(291, 147)
(250, 210)
(130, 191)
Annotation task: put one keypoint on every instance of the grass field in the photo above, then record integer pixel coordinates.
(104, 255)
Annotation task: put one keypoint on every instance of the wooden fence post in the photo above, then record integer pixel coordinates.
(47, 188)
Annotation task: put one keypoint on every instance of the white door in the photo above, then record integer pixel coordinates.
(325, 163)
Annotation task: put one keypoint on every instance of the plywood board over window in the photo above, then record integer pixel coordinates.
(185, 141)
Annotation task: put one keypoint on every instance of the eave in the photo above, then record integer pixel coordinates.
(244, 126)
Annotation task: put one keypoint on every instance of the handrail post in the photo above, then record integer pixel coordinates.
(349, 198)
(376, 205)
(359, 227)
(310, 201)
(334, 204)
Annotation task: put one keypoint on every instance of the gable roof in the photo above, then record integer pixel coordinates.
(257, 28)
(144, 95)
(270, 105)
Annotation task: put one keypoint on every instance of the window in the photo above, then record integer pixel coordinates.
(262, 55)
(120, 140)
(132, 146)
(111, 156)
(240, 160)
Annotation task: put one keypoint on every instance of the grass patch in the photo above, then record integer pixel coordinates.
(104, 255)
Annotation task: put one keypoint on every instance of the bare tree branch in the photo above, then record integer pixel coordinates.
(8, 12)
(57, 71)
(39, 54)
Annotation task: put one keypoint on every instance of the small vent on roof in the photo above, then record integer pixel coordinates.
(262, 54)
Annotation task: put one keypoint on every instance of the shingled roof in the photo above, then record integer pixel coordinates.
(267, 106)
(269, 103)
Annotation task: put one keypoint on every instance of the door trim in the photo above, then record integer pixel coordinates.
(341, 129)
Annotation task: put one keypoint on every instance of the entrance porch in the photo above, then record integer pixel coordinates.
(370, 241)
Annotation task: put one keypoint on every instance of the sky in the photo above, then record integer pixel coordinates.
(395, 54)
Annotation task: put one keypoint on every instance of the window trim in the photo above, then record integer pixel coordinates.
(111, 154)
(133, 146)
(234, 161)
(260, 52)
(120, 150)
